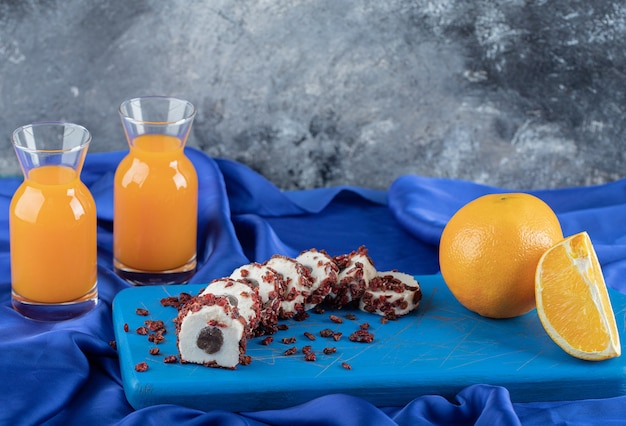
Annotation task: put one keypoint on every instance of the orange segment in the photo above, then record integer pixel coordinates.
(572, 300)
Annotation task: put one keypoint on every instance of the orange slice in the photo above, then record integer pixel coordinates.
(572, 300)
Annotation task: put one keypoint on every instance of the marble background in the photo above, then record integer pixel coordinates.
(513, 93)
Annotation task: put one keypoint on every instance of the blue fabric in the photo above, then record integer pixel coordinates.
(422, 206)
(67, 373)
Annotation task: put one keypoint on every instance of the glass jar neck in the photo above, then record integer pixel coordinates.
(56, 145)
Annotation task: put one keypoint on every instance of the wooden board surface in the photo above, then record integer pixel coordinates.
(438, 349)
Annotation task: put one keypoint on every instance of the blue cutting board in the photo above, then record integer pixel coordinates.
(438, 349)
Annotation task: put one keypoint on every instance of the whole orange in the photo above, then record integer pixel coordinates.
(490, 248)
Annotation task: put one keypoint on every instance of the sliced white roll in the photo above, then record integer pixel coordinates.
(356, 270)
(323, 270)
(391, 294)
(270, 287)
(211, 332)
(241, 295)
(298, 283)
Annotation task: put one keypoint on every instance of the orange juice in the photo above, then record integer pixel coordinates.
(53, 236)
(155, 206)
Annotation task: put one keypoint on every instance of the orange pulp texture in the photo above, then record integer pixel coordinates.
(572, 300)
(53, 236)
(155, 205)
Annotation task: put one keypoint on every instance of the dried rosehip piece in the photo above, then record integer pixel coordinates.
(142, 312)
(327, 332)
(336, 319)
(170, 301)
(184, 297)
(155, 325)
(301, 316)
(156, 338)
(141, 367)
(362, 336)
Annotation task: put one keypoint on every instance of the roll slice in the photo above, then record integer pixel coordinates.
(243, 296)
(356, 270)
(211, 332)
(270, 288)
(391, 294)
(323, 270)
(298, 284)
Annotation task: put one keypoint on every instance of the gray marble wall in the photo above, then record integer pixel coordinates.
(514, 93)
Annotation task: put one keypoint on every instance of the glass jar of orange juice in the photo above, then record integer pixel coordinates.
(155, 194)
(52, 224)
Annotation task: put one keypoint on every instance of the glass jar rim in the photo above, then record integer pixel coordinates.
(28, 129)
(157, 98)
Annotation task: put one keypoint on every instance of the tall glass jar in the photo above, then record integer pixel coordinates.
(155, 194)
(52, 224)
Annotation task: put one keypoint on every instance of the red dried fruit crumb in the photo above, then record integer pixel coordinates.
(309, 336)
(184, 297)
(126, 328)
(329, 350)
(327, 332)
(170, 301)
(142, 312)
(291, 351)
(310, 356)
(142, 330)
(346, 366)
(154, 351)
(301, 316)
(170, 359)
(362, 336)
(156, 338)
(288, 340)
(141, 367)
(268, 340)
(155, 325)
(336, 319)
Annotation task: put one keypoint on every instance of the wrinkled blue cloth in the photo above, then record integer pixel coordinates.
(68, 373)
